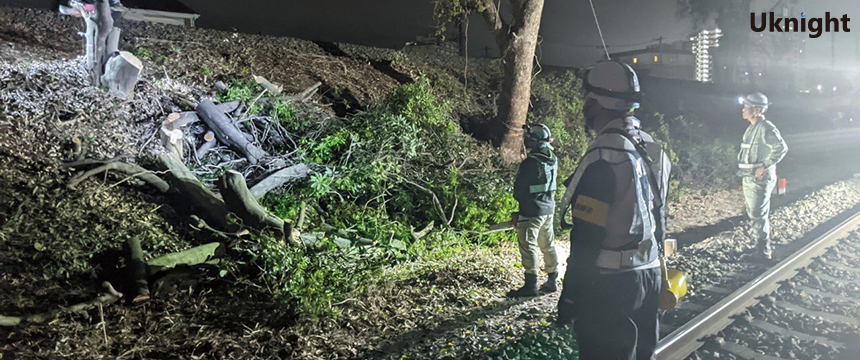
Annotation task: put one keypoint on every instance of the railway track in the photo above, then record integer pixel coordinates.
(805, 306)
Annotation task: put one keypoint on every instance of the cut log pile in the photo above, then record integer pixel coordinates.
(214, 135)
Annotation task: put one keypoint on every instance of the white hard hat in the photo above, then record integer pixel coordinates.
(614, 85)
(757, 99)
(538, 132)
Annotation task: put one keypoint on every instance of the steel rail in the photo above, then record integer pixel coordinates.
(686, 339)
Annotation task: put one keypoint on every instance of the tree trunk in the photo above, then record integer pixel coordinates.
(516, 87)
(105, 26)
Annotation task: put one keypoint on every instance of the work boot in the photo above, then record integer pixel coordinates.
(530, 288)
(766, 253)
(761, 252)
(551, 284)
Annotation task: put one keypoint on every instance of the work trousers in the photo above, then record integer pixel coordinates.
(538, 231)
(757, 199)
(616, 315)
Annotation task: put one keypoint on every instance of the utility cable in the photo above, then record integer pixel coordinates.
(593, 12)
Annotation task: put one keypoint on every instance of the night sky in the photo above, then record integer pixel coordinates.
(569, 35)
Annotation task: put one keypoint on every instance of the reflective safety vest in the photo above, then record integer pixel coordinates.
(548, 171)
(632, 238)
(756, 152)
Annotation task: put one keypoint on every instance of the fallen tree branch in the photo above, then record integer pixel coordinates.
(306, 94)
(41, 318)
(242, 203)
(202, 225)
(420, 234)
(349, 234)
(184, 183)
(125, 168)
(438, 204)
(228, 133)
(85, 162)
(279, 178)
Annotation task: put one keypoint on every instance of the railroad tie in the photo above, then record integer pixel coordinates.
(815, 292)
(784, 332)
(821, 314)
(746, 352)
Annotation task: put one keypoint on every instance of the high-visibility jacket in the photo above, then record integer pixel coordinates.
(536, 183)
(762, 146)
(621, 213)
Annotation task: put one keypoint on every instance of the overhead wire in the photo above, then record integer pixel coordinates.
(594, 12)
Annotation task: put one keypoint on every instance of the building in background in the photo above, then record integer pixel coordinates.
(703, 42)
(671, 61)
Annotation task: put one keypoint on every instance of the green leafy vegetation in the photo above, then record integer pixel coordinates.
(245, 90)
(549, 343)
(699, 159)
(559, 107)
(143, 52)
(381, 175)
(403, 164)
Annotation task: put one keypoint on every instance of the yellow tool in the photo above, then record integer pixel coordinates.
(674, 287)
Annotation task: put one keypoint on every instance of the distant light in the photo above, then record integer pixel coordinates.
(801, 51)
(759, 74)
(740, 100)
(820, 87)
(746, 72)
(635, 60)
(655, 58)
(834, 89)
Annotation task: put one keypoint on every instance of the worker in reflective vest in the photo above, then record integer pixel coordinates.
(613, 276)
(762, 148)
(533, 190)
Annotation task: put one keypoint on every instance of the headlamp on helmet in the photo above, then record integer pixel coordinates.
(757, 100)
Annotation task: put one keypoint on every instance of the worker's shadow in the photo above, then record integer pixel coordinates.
(395, 345)
(695, 234)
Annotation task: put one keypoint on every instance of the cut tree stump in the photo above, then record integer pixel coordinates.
(271, 88)
(221, 87)
(185, 118)
(171, 136)
(279, 178)
(242, 203)
(227, 133)
(208, 143)
(121, 74)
